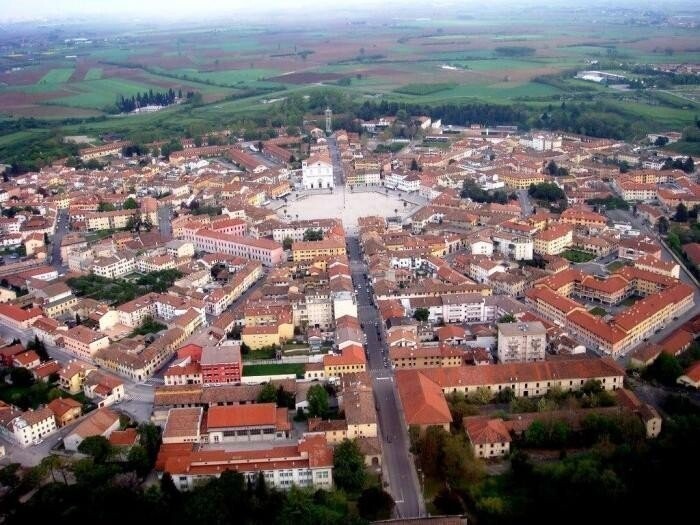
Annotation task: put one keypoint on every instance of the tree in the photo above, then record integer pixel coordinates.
(665, 369)
(507, 318)
(98, 447)
(138, 460)
(39, 347)
(268, 394)
(421, 314)
(348, 467)
(375, 504)
(459, 466)
(313, 235)
(681, 213)
(414, 165)
(505, 396)
(149, 439)
(663, 225)
(21, 377)
(53, 464)
(661, 141)
(287, 243)
(130, 204)
(78, 320)
(317, 396)
(105, 206)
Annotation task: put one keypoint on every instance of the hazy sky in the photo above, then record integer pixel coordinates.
(32, 9)
(161, 9)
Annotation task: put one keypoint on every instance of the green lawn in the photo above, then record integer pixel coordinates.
(423, 89)
(94, 73)
(229, 77)
(57, 76)
(578, 256)
(597, 310)
(264, 353)
(269, 370)
(630, 300)
(615, 265)
(96, 94)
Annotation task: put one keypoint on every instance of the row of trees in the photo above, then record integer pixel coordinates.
(149, 98)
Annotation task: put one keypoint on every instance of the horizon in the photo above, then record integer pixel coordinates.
(169, 11)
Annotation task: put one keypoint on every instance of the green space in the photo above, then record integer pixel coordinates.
(98, 94)
(630, 300)
(597, 310)
(94, 73)
(119, 291)
(148, 326)
(268, 352)
(578, 256)
(614, 266)
(423, 89)
(26, 393)
(57, 76)
(276, 369)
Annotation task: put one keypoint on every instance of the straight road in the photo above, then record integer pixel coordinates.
(398, 464)
(61, 230)
(525, 204)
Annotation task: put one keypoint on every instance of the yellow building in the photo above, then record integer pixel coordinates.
(554, 240)
(351, 360)
(425, 356)
(256, 337)
(521, 181)
(309, 250)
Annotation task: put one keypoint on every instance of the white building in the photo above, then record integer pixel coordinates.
(30, 427)
(407, 182)
(514, 246)
(113, 267)
(521, 342)
(344, 304)
(317, 172)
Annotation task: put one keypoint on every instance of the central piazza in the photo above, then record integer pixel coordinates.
(345, 205)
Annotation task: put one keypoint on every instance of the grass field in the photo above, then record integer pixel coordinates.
(577, 256)
(271, 370)
(94, 73)
(402, 62)
(57, 76)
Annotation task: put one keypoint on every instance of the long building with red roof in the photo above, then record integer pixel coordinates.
(309, 463)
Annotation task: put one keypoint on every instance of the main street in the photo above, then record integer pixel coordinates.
(398, 464)
(61, 230)
(398, 468)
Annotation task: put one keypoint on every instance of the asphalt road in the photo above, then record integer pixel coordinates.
(398, 466)
(61, 230)
(525, 203)
(164, 225)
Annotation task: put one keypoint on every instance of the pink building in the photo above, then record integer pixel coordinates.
(221, 365)
(265, 251)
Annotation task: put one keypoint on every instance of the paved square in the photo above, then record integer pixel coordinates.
(346, 206)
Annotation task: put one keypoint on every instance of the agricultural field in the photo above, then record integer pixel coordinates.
(461, 58)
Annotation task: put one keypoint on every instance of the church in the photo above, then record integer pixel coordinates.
(317, 172)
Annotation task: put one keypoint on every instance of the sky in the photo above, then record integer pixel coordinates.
(17, 10)
(50, 9)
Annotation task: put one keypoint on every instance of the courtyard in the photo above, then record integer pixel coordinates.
(345, 205)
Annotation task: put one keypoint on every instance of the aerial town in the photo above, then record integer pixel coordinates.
(362, 262)
(263, 304)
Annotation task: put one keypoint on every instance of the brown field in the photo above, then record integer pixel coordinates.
(306, 78)
(24, 76)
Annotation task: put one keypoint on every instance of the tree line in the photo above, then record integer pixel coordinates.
(149, 98)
